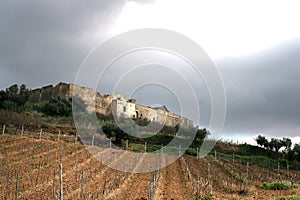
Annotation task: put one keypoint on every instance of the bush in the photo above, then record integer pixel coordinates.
(284, 185)
(14, 98)
(11, 105)
(159, 139)
(247, 149)
(152, 148)
(191, 151)
(57, 107)
(137, 148)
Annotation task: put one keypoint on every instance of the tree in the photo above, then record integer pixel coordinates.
(269, 146)
(202, 133)
(111, 129)
(296, 149)
(262, 141)
(23, 95)
(276, 143)
(14, 98)
(287, 143)
(57, 107)
(291, 155)
(12, 91)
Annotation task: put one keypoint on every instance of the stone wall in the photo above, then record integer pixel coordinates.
(162, 116)
(94, 101)
(103, 104)
(46, 93)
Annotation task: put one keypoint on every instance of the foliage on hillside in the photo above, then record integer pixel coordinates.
(14, 98)
(112, 130)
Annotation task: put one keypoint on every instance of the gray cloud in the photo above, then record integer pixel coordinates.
(263, 91)
(50, 37)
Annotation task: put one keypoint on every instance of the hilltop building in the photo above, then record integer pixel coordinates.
(107, 105)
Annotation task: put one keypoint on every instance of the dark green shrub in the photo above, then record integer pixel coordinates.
(191, 151)
(284, 185)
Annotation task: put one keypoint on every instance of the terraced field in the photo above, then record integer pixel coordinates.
(33, 168)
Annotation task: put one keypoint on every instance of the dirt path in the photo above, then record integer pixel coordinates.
(173, 183)
(134, 187)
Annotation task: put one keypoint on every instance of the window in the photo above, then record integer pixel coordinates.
(124, 109)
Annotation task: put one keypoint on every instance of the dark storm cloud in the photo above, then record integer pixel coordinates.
(263, 91)
(50, 38)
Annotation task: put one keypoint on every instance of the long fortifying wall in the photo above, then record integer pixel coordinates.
(161, 115)
(46, 93)
(93, 99)
(102, 104)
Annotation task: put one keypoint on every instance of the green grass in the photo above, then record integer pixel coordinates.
(261, 161)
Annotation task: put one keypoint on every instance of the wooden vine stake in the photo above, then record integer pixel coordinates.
(3, 130)
(22, 130)
(209, 179)
(82, 185)
(7, 186)
(53, 186)
(104, 185)
(93, 140)
(198, 185)
(241, 179)
(60, 182)
(17, 186)
(38, 175)
(41, 134)
(58, 137)
(149, 182)
(48, 156)
(76, 175)
(76, 137)
(247, 174)
(91, 172)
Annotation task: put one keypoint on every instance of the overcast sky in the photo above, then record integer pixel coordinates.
(254, 44)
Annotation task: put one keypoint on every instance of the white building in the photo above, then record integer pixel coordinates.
(122, 107)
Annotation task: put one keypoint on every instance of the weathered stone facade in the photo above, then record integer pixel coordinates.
(108, 105)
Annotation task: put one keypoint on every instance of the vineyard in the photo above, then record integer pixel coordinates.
(54, 166)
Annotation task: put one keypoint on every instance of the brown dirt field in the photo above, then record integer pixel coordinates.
(173, 183)
(35, 160)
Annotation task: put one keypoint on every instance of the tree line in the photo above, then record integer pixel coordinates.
(15, 98)
(275, 144)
